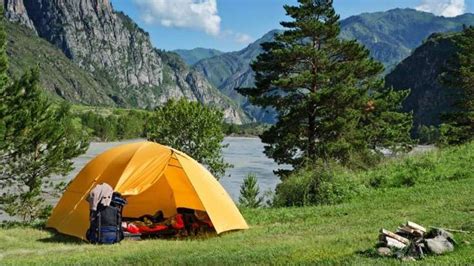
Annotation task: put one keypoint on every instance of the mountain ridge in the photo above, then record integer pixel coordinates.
(390, 43)
(109, 45)
(197, 54)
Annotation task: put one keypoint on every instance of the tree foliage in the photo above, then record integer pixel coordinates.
(330, 100)
(458, 126)
(191, 128)
(37, 140)
(250, 193)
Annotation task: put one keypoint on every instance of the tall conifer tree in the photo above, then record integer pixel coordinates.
(330, 100)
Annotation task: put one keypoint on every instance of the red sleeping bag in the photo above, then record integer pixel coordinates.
(154, 229)
(178, 225)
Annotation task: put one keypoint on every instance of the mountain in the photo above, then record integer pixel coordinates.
(232, 70)
(421, 73)
(60, 76)
(115, 51)
(197, 54)
(390, 36)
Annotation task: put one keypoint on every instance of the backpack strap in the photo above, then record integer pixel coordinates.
(99, 216)
(119, 224)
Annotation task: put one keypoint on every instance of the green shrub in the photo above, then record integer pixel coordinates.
(317, 184)
(453, 135)
(428, 134)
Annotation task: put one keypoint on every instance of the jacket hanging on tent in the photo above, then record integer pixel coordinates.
(101, 194)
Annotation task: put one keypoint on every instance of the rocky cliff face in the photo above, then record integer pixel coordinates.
(59, 75)
(111, 46)
(15, 11)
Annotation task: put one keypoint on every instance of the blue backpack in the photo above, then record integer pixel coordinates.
(106, 222)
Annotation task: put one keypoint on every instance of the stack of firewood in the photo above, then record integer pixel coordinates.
(412, 241)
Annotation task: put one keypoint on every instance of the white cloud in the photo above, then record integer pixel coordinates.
(446, 8)
(197, 14)
(237, 37)
(243, 38)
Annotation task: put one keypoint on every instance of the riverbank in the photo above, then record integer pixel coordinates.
(339, 234)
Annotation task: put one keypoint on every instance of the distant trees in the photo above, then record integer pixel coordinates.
(250, 129)
(458, 126)
(330, 100)
(192, 128)
(37, 140)
(118, 125)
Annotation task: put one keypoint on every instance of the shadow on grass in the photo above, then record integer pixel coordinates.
(65, 239)
(60, 238)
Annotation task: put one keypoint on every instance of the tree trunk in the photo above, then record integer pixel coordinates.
(311, 133)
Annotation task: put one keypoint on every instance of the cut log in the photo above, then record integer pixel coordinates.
(409, 231)
(405, 230)
(395, 236)
(416, 226)
(393, 243)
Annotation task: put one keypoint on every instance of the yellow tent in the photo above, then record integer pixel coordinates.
(151, 177)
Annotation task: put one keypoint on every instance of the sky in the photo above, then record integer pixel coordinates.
(230, 25)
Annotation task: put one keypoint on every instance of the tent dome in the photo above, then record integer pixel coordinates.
(151, 177)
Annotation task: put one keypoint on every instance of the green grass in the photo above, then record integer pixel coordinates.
(451, 163)
(339, 234)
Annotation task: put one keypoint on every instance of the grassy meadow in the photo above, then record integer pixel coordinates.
(335, 234)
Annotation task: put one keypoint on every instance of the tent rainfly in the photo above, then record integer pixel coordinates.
(151, 177)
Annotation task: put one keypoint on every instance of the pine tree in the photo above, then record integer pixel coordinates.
(37, 140)
(458, 125)
(40, 141)
(330, 100)
(249, 193)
